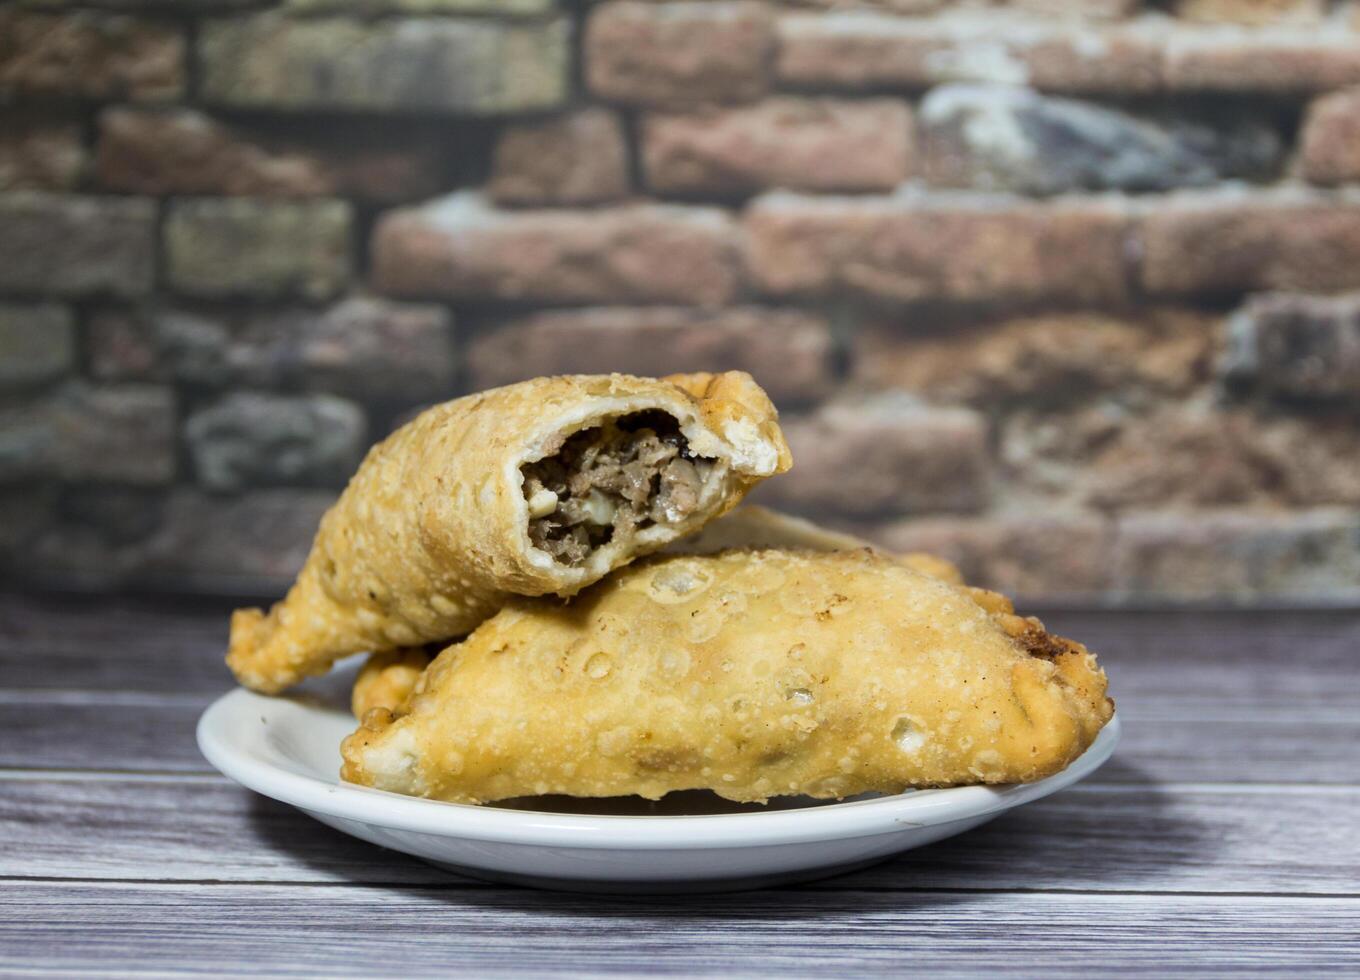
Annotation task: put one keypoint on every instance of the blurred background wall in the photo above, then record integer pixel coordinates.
(1058, 290)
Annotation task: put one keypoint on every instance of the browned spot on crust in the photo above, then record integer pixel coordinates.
(1038, 642)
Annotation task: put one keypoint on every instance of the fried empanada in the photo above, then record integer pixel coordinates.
(387, 679)
(749, 673)
(536, 488)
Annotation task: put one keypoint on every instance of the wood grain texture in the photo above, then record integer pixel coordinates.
(52, 732)
(1209, 839)
(319, 929)
(1224, 837)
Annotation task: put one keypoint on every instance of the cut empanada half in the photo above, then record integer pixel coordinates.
(537, 488)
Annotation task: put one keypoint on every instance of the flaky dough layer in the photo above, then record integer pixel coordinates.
(750, 673)
(430, 537)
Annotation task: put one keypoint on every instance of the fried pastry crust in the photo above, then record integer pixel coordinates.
(749, 673)
(388, 679)
(432, 535)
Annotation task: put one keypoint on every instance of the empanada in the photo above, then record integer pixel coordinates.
(387, 679)
(536, 488)
(749, 673)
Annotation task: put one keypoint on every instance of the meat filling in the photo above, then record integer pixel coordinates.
(608, 481)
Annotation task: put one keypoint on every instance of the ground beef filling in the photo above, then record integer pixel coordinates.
(608, 481)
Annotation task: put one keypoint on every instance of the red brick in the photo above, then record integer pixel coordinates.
(181, 151)
(1274, 61)
(805, 144)
(683, 53)
(1254, 12)
(948, 247)
(459, 248)
(1041, 359)
(580, 158)
(1330, 141)
(86, 54)
(884, 456)
(1048, 555)
(788, 351)
(1093, 9)
(870, 51)
(1313, 556)
(39, 151)
(1227, 242)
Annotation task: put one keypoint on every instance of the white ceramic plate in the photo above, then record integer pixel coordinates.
(289, 749)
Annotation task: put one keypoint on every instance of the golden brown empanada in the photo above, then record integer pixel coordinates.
(750, 673)
(387, 679)
(535, 488)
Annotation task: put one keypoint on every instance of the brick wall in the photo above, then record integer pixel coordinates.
(1069, 292)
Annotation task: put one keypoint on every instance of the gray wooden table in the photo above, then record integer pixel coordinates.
(1224, 835)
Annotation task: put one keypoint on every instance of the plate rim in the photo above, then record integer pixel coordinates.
(860, 818)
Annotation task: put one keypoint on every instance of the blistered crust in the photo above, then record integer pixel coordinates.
(430, 537)
(750, 673)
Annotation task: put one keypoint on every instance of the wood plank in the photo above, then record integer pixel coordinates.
(1206, 840)
(112, 643)
(57, 734)
(271, 929)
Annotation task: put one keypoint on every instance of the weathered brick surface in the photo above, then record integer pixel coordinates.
(252, 439)
(1051, 359)
(954, 240)
(247, 247)
(578, 158)
(80, 432)
(459, 248)
(680, 53)
(39, 151)
(1273, 61)
(67, 245)
(182, 539)
(420, 64)
(1252, 12)
(1094, 9)
(885, 455)
(1245, 554)
(908, 247)
(1111, 457)
(1330, 141)
(89, 54)
(183, 151)
(395, 352)
(1054, 555)
(1297, 346)
(364, 7)
(804, 144)
(870, 51)
(37, 344)
(788, 351)
(1003, 137)
(1231, 242)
